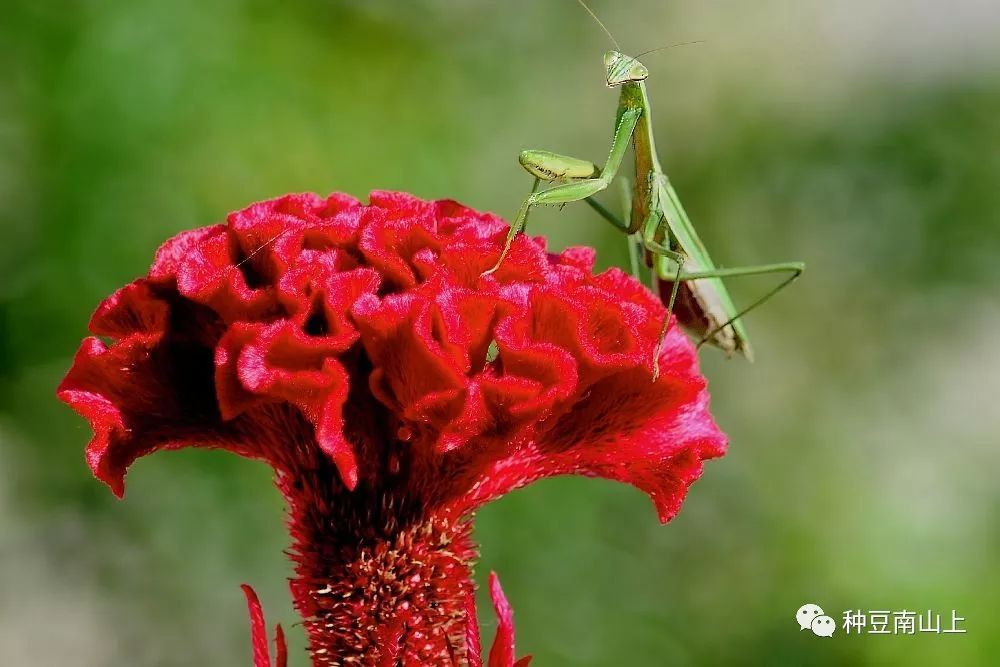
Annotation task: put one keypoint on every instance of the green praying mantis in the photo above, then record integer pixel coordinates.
(655, 221)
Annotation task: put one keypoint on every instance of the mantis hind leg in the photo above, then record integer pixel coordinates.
(654, 226)
(678, 258)
(794, 268)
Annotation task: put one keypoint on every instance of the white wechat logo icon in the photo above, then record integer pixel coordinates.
(811, 617)
(823, 626)
(806, 614)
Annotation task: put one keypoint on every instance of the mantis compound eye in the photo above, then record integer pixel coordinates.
(609, 60)
(638, 71)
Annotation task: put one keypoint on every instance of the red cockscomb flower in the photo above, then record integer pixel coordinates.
(394, 389)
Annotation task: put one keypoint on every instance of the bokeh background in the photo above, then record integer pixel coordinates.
(862, 137)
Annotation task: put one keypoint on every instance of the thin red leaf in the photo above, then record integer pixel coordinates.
(281, 648)
(258, 629)
(502, 653)
(473, 646)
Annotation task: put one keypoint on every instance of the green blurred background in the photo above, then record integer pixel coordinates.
(863, 138)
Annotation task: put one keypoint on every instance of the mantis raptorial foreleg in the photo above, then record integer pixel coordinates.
(581, 189)
(553, 166)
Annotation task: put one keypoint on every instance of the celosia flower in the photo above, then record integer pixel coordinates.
(394, 389)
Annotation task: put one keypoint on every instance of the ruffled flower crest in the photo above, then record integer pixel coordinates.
(394, 389)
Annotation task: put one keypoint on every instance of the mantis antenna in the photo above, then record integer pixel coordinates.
(615, 41)
(669, 46)
(600, 23)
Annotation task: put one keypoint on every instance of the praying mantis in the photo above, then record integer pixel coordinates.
(656, 222)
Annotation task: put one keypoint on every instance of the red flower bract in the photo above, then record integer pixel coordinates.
(349, 346)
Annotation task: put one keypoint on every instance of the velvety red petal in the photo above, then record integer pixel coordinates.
(318, 294)
(390, 244)
(280, 363)
(527, 263)
(153, 388)
(172, 254)
(464, 225)
(278, 231)
(659, 452)
(233, 397)
(133, 310)
(579, 257)
(403, 337)
(624, 427)
(217, 274)
(139, 398)
(402, 206)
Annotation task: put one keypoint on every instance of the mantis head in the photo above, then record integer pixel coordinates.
(623, 69)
